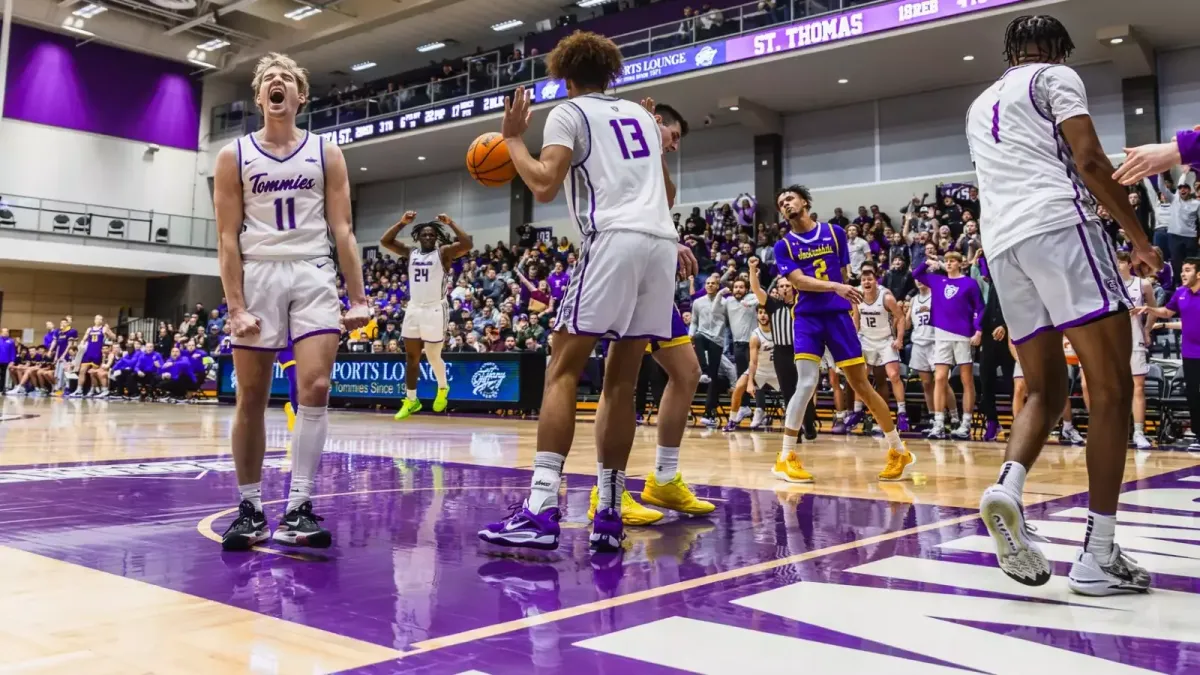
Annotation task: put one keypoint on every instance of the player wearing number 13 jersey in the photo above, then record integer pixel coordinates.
(1041, 172)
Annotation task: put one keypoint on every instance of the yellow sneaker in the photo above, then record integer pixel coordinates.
(409, 407)
(439, 403)
(632, 513)
(675, 495)
(291, 415)
(791, 470)
(897, 464)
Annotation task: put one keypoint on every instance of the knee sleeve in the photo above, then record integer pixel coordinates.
(808, 374)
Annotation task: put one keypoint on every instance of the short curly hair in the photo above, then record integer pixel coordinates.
(283, 61)
(589, 60)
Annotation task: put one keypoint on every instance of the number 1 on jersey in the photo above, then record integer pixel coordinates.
(291, 213)
(641, 149)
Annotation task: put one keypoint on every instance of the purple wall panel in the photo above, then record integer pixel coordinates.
(638, 18)
(55, 81)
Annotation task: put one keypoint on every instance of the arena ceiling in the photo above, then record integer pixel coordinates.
(892, 64)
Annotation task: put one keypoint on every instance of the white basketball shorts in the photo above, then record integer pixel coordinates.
(1138, 362)
(921, 357)
(763, 378)
(878, 352)
(622, 288)
(1058, 279)
(952, 352)
(292, 299)
(425, 322)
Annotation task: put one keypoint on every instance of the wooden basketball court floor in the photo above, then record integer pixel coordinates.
(110, 515)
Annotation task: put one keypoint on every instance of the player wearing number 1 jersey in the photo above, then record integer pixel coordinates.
(279, 193)
(424, 326)
(1041, 172)
(606, 154)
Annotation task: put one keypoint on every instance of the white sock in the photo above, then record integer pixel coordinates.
(1139, 427)
(900, 408)
(1099, 538)
(1068, 425)
(308, 441)
(894, 441)
(547, 475)
(789, 446)
(858, 406)
(840, 415)
(411, 394)
(954, 417)
(612, 485)
(252, 492)
(939, 419)
(666, 464)
(1012, 477)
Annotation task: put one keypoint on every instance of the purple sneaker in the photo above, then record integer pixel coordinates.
(992, 431)
(854, 419)
(525, 529)
(732, 426)
(902, 422)
(639, 421)
(607, 531)
(839, 427)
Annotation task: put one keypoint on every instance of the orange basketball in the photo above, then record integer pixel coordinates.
(488, 161)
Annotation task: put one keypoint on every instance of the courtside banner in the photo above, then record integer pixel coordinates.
(504, 380)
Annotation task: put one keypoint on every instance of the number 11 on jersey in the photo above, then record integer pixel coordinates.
(291, 213)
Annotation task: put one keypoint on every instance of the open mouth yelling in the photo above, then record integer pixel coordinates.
(276, 95)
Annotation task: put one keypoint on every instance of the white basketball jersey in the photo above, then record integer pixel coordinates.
(920, 312)
(874, 324)
(426, 277)
(283, 199)
(1134, 288)
(615, 181)
(766, 353)
(1028, 184)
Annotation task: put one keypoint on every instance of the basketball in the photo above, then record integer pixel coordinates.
(488, 161)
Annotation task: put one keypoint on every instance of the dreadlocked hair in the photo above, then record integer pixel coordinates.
(589, 60)
(442, 238)
(1044, 32)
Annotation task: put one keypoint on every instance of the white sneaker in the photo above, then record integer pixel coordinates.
(759, 418)
(936, 432)
(1140, 441)
(1121, 575)
(705, 379)
(962, 433)
(708, 422)
(739, 415)
(1016, 550)
(1071, 435)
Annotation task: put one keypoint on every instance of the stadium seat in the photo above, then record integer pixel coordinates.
(7, 219)
(83, 225)
(161, 236)
(116, 228)
(62, 224)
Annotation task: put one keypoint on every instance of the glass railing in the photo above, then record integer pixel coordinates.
(488, 74)
(75, 220)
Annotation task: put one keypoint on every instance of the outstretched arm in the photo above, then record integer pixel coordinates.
(544, 175)
(463, 242)
(388, 240)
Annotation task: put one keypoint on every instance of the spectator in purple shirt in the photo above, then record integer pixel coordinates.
(1185, 304)
(957, 318)
(558, 280)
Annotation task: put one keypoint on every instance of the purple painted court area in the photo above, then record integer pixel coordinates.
(407, 567)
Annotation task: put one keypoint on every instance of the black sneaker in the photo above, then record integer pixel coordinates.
(247, 530)
(300, 528)
(810, 430)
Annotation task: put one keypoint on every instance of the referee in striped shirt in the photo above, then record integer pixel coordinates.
(783, 329)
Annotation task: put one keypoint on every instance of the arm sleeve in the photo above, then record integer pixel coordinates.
(1061, 94)
(567, 127)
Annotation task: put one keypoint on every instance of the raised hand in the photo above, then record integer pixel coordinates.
(517, 112)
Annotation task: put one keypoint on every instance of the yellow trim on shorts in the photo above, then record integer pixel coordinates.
(858, 360)
(667, 344)
(287, 365)
(808, 357)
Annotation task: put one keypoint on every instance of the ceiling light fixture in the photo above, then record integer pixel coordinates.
(212, 45)
(75, 25)
(420, 158)
(733, 108)
(591, 3)
(362, 168)
(506, 25)
(1116, 41)
(968, 57)
(843, 81)
(362, 66)
(90, 10)
(202, 64)
(431, 46)
(301, 13)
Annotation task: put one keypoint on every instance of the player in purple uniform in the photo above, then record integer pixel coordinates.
(665, 487)
(957, 317)
(287, 362)
(93, 352)
(815, 258)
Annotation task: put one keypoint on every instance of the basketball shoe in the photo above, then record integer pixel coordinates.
(525, 529)
(674, 495)
(897, 464)
(607, 531)
(791, 470)
(632, 513)
(247, 530)
(1016, 542)
(300, 528)
(1119, 575)
(409, 407)
(439, 402)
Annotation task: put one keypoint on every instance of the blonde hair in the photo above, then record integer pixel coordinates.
(287, 63)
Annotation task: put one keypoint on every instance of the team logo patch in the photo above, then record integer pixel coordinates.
(1114, 286)
(706, 55)
(550, 90)
(487, 380)
(950, 291)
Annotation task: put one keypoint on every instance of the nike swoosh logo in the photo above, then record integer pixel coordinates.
(247, 162)
(322, 265)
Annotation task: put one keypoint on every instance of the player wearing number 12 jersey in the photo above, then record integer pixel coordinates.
(1041, 171)
(279, 195)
